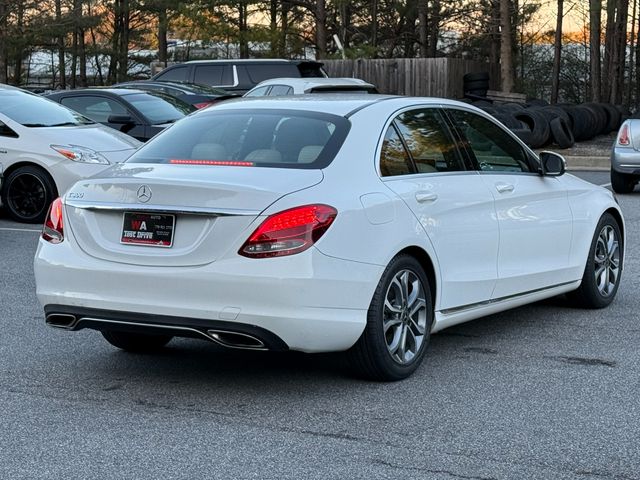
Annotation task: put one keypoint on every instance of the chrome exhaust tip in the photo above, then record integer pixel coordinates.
(236, 340)
(61, 320)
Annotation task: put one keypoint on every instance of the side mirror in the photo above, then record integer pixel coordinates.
(551, 164)
(120, 119)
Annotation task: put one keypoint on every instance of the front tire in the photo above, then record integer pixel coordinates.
(399, 321)
(27, 193)
(136, 342)
(601, 277)
(622, 183)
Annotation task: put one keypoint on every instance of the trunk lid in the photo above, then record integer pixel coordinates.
(213, 208)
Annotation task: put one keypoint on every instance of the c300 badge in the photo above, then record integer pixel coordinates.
(144, 194)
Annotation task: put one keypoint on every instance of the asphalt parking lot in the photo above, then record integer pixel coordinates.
(542, 392)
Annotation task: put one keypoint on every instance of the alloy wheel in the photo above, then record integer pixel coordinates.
(27, 196)
(607, 261)
(404, 316)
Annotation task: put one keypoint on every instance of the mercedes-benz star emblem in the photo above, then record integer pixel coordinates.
(144, 194)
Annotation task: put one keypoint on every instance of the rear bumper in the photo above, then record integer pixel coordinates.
(249, 337)
(626, 160)
(310, 302)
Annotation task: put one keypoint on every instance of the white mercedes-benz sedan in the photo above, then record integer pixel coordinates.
(333, 223)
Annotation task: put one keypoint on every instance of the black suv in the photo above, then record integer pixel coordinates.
(238, 76)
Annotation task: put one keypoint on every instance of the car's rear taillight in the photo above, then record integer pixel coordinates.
(202, 104)
(53, 230)
(623, 138)
(290, 231)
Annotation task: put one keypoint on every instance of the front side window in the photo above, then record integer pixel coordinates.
(98, 109)
(427, 137)
(495, 150)
(33, 111)
(159, 108)
(249, 138)
(213, 75)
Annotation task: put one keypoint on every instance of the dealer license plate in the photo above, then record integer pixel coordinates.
(150, 229)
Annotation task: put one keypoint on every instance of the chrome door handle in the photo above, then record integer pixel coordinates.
(504, 187)
(424, 197)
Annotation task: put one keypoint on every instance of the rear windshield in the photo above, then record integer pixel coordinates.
(251, 138)
(159, 108)
(33, 111)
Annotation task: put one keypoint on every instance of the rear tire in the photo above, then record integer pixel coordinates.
(622, 183)
(27, 193)
(136, 342)
(399, 321)
(601, 277)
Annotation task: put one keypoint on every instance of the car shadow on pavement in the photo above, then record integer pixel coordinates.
(199, 362)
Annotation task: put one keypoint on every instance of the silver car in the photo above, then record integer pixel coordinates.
(625, 157)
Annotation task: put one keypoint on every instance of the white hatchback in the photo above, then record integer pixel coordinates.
(45, 148)
(359, 223)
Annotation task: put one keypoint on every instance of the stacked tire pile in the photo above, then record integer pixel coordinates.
(476, 84)
(539, 124)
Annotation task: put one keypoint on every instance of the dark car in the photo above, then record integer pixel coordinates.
(138, 113)
(239, 76)
(199, 96)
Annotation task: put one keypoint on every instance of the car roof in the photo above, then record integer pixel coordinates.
(311, 82)
(120, 92)
(343, 104)
(160, 83)
(250, 60)
(4, 86)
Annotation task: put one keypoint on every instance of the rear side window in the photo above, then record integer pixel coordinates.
(258, 73)
(98, 109)
(213, 75)
(177, 74)
(427, 137)
(258, 92)
(263, 138)
(394, 159)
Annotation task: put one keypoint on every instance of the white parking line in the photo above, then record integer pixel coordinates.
(19, 229)
(606, 184)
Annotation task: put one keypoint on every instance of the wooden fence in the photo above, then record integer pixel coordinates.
(423, 77)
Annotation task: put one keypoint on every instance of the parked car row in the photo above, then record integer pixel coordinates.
(32, 168)
(138, 113)
(199, 96)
